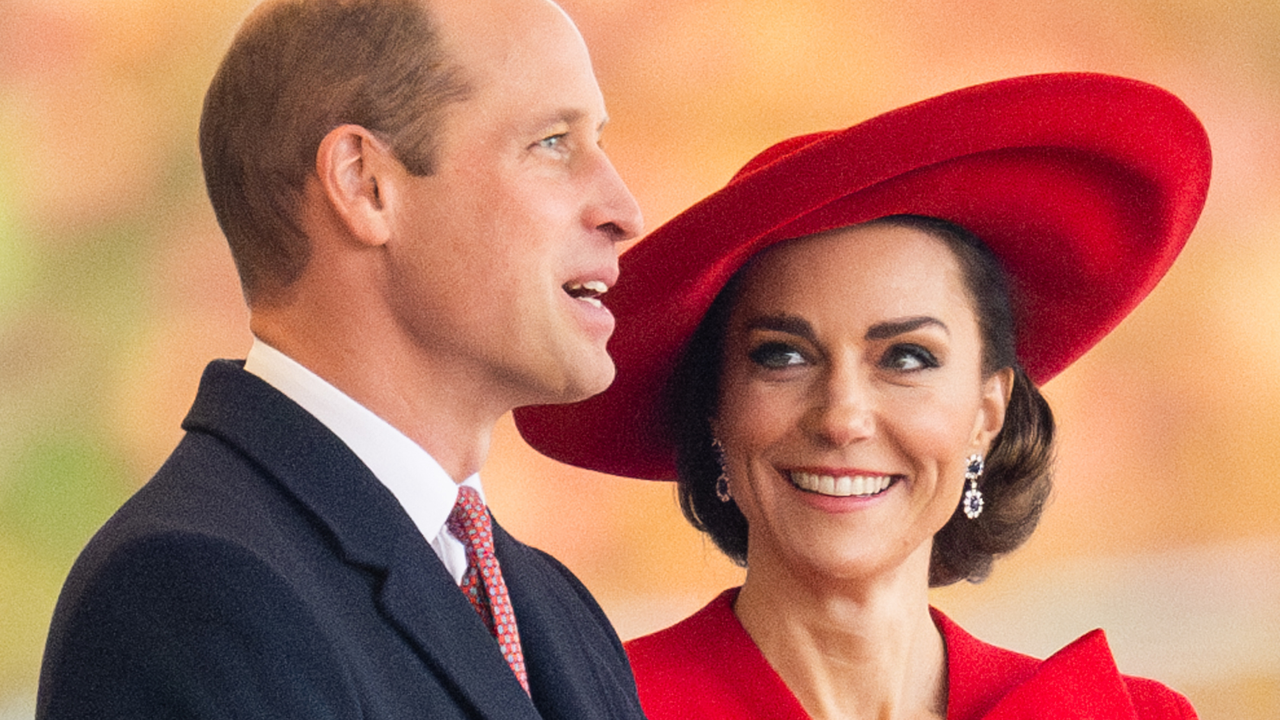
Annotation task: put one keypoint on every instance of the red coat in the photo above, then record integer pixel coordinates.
(707, 667)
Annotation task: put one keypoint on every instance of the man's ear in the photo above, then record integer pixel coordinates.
(354, 169)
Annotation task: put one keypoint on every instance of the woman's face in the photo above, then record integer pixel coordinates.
(851, 396)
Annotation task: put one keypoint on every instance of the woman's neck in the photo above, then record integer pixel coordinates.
(850, 650)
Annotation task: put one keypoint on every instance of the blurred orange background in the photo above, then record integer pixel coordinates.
(116, 288)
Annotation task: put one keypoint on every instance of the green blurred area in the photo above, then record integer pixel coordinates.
(65, 318)
(98, 103)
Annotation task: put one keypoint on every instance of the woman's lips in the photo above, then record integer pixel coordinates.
(838, 485)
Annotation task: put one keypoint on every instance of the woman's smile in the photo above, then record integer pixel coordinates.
(840, 483)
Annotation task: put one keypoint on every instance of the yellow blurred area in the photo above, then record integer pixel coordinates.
(116, 288)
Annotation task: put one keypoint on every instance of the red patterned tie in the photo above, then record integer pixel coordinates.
(482, 583)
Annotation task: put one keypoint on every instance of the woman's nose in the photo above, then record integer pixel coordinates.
(843, 409)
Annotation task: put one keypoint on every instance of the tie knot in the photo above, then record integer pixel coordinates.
(469, 521)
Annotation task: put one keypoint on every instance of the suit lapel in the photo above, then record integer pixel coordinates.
(577, 667)
(429, 609)
(546, 632)
(417, 595)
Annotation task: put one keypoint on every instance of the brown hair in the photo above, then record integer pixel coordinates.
(1019, 466)
(296, 70)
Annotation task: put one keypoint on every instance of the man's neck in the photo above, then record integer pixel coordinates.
(438, 410)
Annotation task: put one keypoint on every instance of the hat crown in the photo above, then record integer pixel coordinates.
(1085, 186)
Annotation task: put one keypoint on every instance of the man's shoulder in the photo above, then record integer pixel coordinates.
(207, 506)
(166, 612)
(220, 487)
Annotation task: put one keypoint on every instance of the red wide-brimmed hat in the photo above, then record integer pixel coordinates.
(1085, 186)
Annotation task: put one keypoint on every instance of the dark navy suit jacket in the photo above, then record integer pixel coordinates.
(264, 572)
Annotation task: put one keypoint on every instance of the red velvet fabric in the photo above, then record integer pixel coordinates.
(707, 667)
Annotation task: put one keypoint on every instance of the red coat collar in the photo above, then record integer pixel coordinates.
(989, 683)
(708, 663)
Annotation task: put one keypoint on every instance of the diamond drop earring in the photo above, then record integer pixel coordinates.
(973, 502)
(722, 481)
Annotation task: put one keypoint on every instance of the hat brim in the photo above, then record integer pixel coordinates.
(1085, 186)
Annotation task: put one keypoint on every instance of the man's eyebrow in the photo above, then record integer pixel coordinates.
(886, 330)
(572, 116)
(566, 115)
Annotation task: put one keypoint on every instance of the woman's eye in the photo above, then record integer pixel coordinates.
(775, 355)
(908, 358)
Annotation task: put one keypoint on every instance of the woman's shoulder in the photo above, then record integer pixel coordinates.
(1155, 700)
(1080, 680)
(685, 642)
(706, 666)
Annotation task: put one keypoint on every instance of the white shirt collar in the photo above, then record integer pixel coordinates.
(418, 482)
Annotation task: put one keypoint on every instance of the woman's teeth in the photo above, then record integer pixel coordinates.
(841, 485)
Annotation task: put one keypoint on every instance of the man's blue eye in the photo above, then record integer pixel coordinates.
(776, 355)
(553, 142)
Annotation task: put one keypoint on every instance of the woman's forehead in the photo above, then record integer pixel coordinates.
(884, 267)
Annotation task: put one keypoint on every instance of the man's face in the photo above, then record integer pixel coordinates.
(497, 258)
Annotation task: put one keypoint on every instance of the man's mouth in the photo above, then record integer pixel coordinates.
(588, 292)
(841, 485)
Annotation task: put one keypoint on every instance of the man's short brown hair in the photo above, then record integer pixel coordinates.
(296, 70)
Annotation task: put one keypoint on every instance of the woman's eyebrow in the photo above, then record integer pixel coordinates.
(789, 324)
(800, 327)
(894, 328)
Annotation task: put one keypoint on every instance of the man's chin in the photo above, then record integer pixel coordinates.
(591, 384)
(591, 373)
(585, 380)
